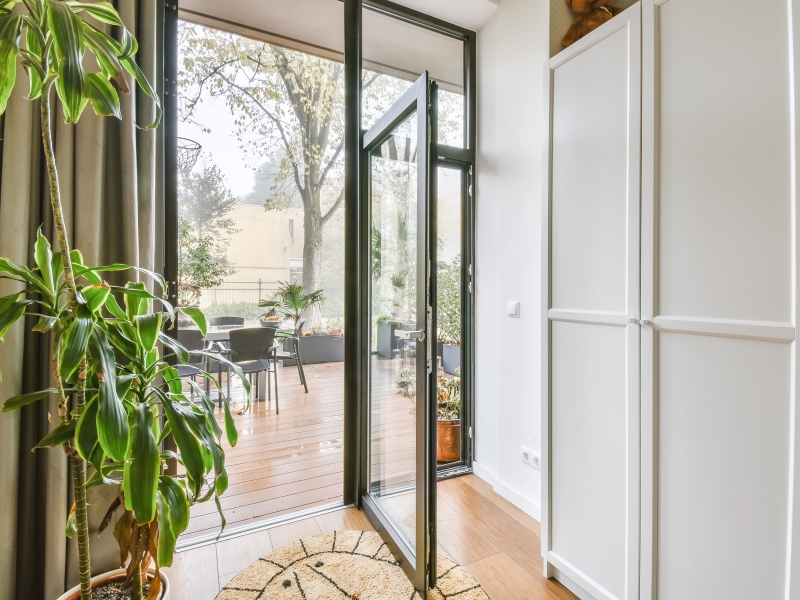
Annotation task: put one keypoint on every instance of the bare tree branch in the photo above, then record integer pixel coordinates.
(333, 208)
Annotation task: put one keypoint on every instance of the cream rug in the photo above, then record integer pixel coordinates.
(342, 565)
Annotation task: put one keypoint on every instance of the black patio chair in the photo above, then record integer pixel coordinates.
(192, 340)
(294, 352)
(226, 322)
(251, 350)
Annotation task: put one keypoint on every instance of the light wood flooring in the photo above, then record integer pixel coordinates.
(495, 541)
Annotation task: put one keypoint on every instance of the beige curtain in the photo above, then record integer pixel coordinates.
(108, 172)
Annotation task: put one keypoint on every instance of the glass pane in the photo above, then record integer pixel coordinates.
(448, 316)
(247, 226)
(395, 53)
(393, 198)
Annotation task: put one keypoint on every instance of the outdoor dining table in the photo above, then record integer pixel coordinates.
(217, 334)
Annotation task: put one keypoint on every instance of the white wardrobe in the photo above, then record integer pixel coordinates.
(670, 447)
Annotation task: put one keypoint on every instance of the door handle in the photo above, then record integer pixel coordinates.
(410, 335)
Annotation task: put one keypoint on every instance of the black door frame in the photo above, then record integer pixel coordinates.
(357, 236)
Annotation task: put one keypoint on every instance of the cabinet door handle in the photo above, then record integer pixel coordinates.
(644, 322)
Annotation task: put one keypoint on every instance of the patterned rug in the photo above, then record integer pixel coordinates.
(342, 565)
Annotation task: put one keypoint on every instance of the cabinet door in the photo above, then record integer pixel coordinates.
(591, 496)
(718, 283)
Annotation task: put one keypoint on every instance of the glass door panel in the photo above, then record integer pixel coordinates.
(400, 478)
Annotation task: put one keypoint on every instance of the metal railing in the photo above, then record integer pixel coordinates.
(239, 291)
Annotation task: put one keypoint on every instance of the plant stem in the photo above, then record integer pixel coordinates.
(55, 199)
(77, 464)
(82, 523)
(137, 582)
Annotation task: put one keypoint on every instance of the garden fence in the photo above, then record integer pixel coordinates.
(239, 291)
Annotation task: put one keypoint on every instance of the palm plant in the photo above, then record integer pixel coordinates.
(292, 301)
(112, 384)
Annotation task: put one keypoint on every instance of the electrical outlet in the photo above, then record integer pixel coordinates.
(531, 458)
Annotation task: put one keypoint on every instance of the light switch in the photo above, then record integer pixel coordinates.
(513, 309)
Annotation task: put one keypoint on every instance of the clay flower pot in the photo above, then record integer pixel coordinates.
(75, 593)
(448, 440)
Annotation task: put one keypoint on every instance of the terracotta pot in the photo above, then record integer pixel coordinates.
(448, 440)
(75, 593)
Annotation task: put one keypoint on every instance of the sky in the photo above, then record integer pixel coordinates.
(220, 146)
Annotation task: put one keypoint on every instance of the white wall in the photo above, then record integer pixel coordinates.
(512, 48)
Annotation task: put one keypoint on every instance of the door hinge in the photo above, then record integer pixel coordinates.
(470, 190)
(469, 287)
(469, 431)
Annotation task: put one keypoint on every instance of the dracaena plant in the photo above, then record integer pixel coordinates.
(113, 386)
(106, 353)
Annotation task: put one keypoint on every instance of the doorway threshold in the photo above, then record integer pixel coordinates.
(234, 532)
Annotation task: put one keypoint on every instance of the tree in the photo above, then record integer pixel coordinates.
(283, 101)
(204, 229)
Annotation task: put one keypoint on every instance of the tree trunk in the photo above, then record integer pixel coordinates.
(312, 257)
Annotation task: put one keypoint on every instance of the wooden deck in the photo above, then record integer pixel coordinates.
(293, 461)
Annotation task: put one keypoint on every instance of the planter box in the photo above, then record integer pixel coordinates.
(451, 358)
(386, 340)
(316, 349)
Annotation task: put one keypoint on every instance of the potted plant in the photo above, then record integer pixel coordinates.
(448, 314)
(292, 301)
(448, 417)
(112, 383)
(387, 325)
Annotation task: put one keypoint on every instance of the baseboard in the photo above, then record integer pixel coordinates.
(571, 585)
(517, 499)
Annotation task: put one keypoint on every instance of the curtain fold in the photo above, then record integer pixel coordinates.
(108, 173)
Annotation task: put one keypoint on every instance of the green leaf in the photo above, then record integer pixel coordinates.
(65, 27)
(16, 402)
(114, 308)
(173, 379)
(45, 324)
(86, 431)
(166, 539)
(197, 423)
(181, 352)
(174, 510)
(112, 422)
(142, 464)
(97, 457)
(10, 30)
(44, 259)
(135, 298)
(57, 266)
(34, 76)
(107, 51)
(75, 342)
(23, 273)
(120, 341)
(131, 66)
(124, 384)
(148, 328)
(196, 315)
(230, 427)
(72, 527)
(223, 521)
(102, 95)
(96, 295)
(187, 444)
(59, 435)
(10, 315)
(79, 269)
(102, 11)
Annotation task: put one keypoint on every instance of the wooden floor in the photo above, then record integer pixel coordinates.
(293, 461)
(495, 541)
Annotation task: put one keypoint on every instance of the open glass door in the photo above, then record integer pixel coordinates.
(399, 492)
